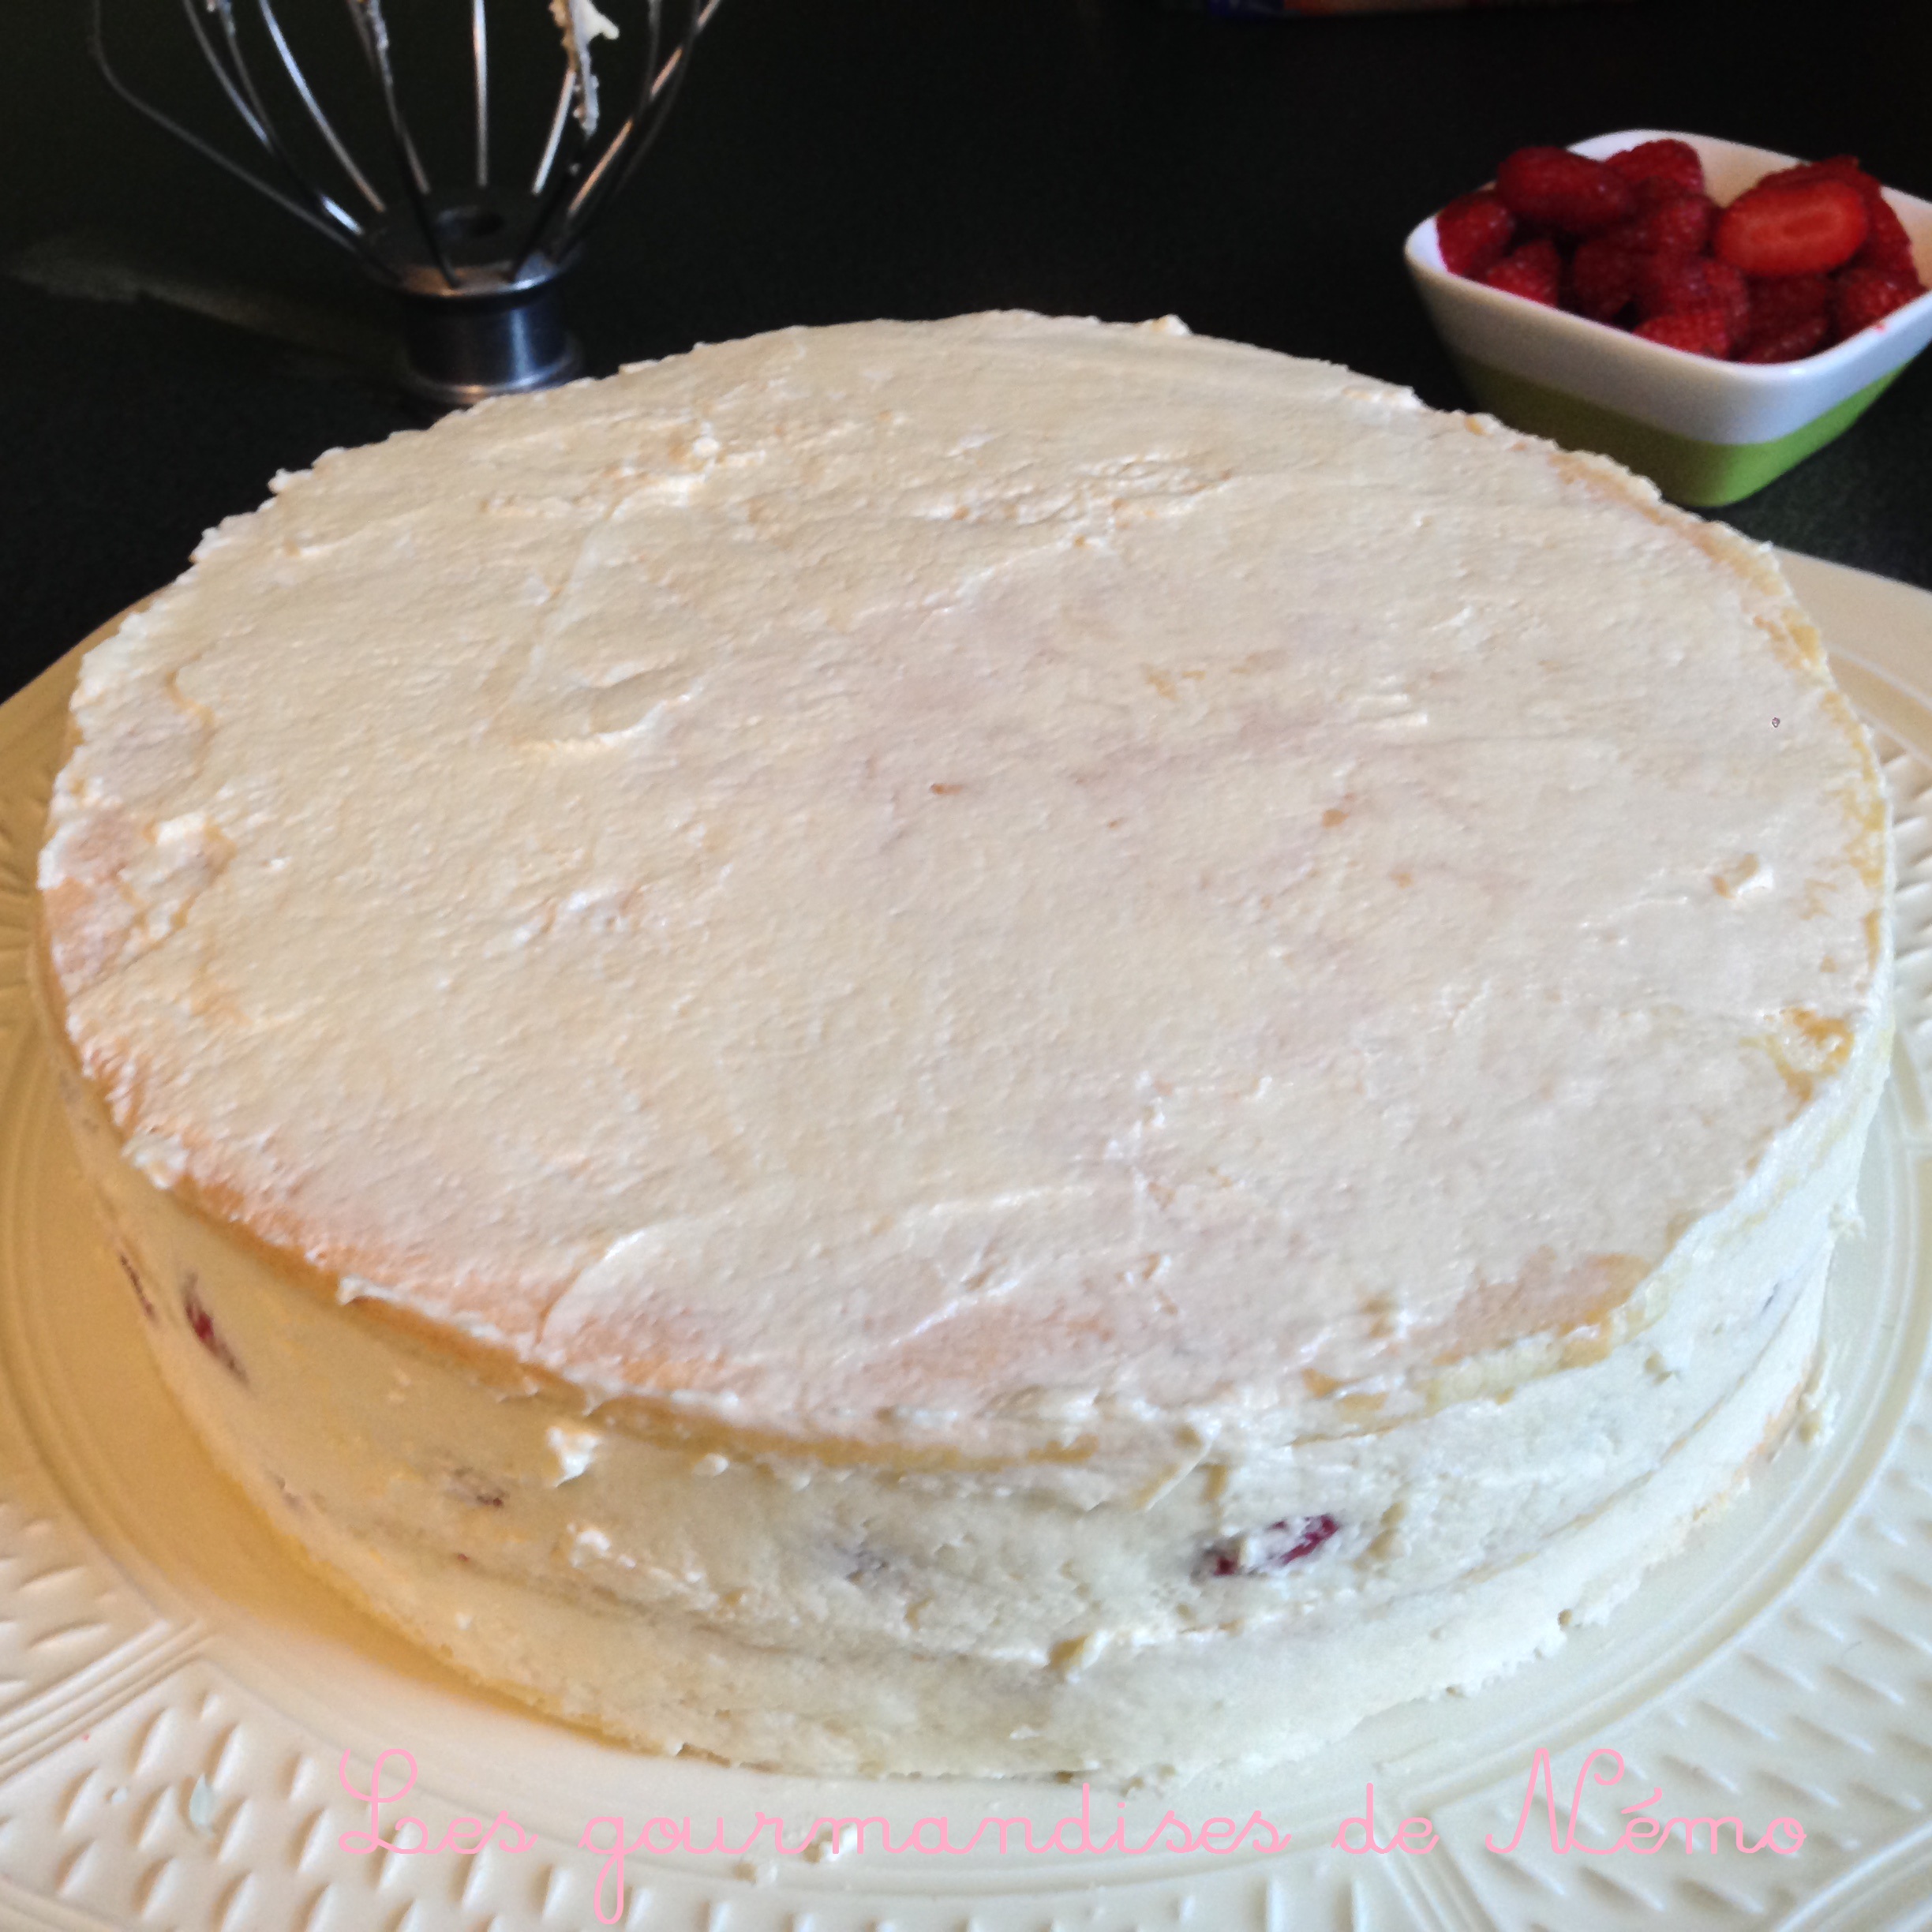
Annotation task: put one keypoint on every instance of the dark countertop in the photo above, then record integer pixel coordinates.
(169, 342)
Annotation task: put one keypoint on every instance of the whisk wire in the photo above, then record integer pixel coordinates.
(368, 15)
(374, 31)
(621, 160)
(557, 199)
(256, 114)
(236, 98)
(316, 207)
(206, 149)
(322, 124)
(574, 207)
(565, 96)
(479, 46)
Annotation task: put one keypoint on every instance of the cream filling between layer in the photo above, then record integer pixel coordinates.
(382, 1438)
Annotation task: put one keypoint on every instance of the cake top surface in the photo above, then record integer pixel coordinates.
(872, 877)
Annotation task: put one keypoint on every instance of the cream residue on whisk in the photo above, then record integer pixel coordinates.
(580, 23)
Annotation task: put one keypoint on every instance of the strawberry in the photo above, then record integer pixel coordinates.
(1732, 294)
(1810, 254)
(1837, 167)
(1792, 228)
(1568, 193)
(1265, 1551)
(1702, 331)
(1669, 284)
(1790, 318)
(1787, 342)
(202, 1323)
(1680, 224)
(1660, 169)
(1887, 245)
(1602, 281)
(1473, 232)
(1860, 297)
(1785, 299)
(1534, 271)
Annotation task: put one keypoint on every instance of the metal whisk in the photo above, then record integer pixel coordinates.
(474, 246)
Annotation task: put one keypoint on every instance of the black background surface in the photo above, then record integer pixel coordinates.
(167, 342)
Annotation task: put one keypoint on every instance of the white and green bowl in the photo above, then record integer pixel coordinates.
(1706, 432)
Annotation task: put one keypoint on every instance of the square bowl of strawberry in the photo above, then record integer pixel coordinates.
(1707, 313)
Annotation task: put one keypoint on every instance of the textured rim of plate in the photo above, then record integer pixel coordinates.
(176, 1692)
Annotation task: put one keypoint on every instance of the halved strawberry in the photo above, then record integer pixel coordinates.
(1474, 232)
(1792, 228)
(1568, 193)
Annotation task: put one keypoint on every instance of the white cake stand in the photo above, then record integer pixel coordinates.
(177, 1695)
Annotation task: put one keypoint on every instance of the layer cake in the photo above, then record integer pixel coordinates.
(1005, 1046)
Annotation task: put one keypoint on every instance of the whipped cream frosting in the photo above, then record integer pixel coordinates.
(1010, 871)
